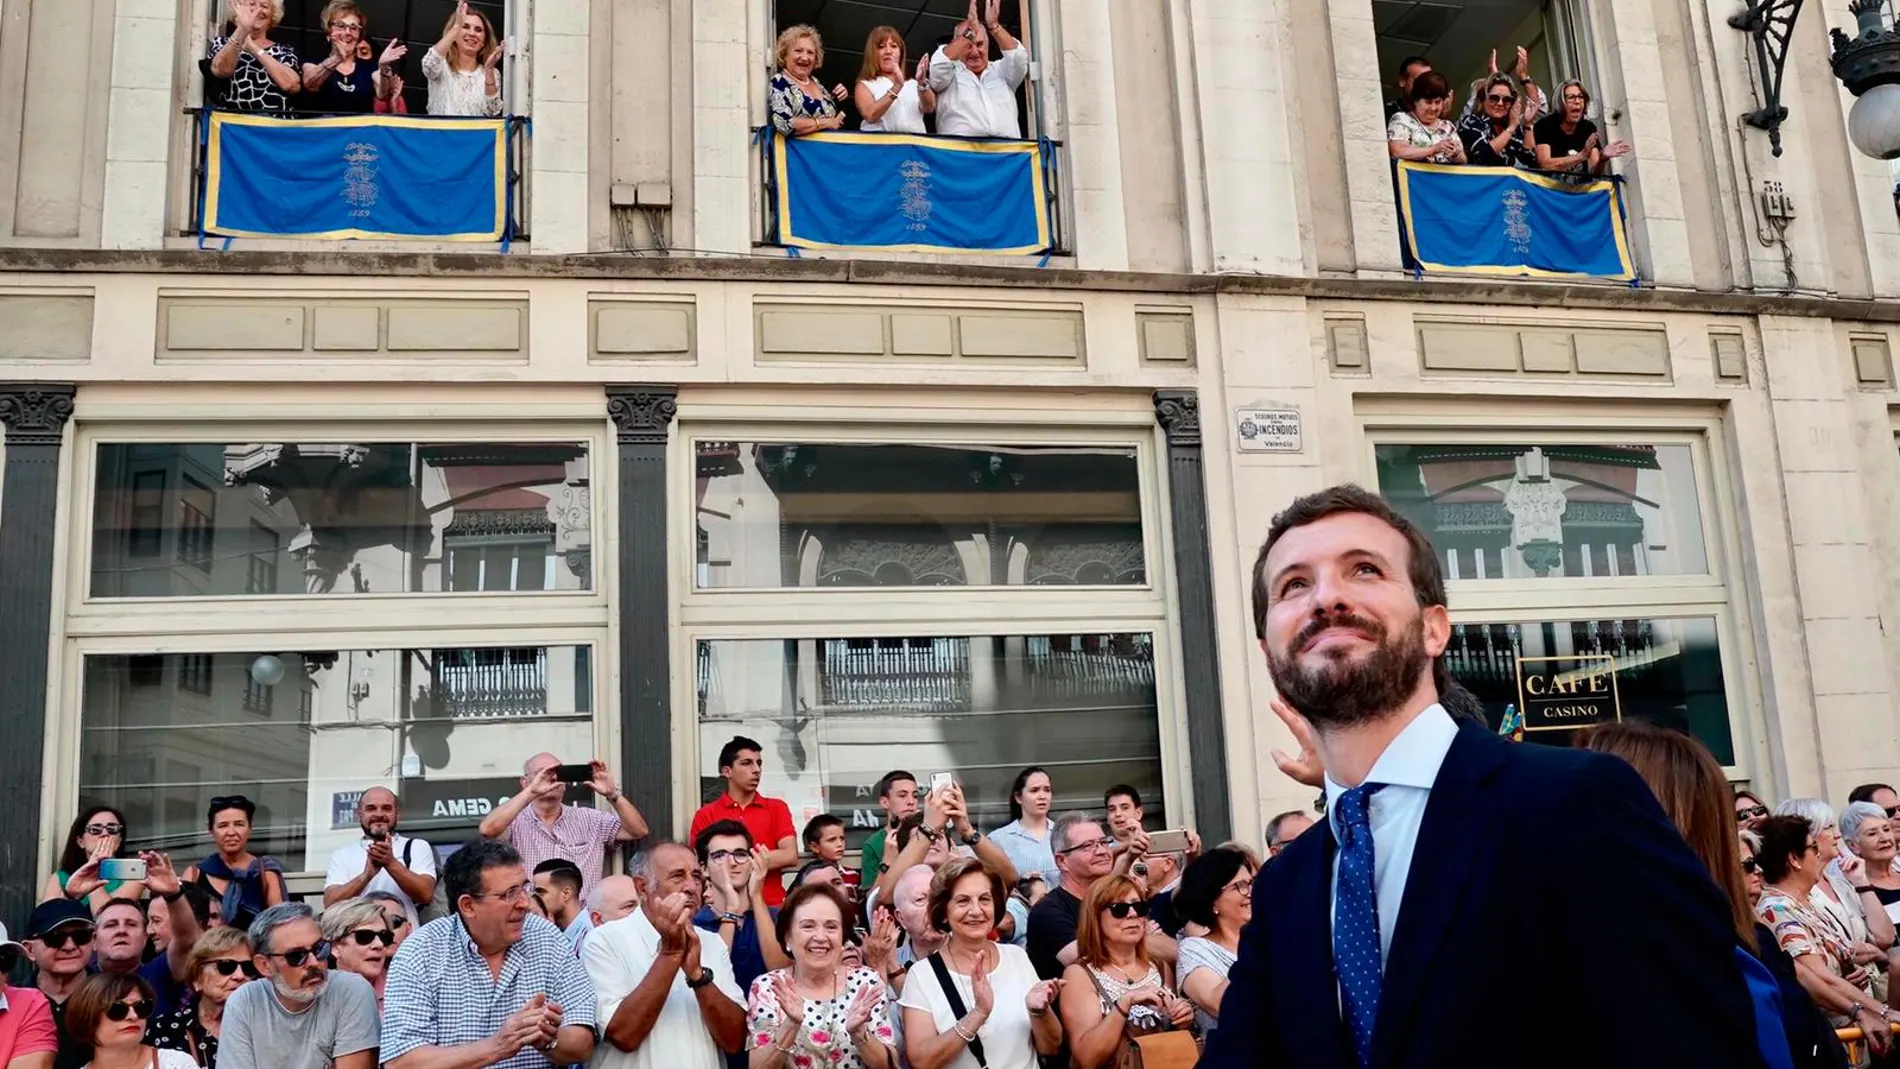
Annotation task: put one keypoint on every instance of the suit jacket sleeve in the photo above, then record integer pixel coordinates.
(1247, 1037)
(1655, 966)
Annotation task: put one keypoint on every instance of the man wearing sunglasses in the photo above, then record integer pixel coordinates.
(305, 1017)
(59, 937)
(28, 1037)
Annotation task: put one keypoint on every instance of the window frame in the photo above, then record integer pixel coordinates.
(820, 613)
(1717, 595)
(244, 623)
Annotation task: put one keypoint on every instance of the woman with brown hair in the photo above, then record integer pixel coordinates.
(1694, 793)
(460, 67)
(890, 100)
(343, 82)
(109, 1013)
(1114, 992)
(220, 964)
(820, 1011)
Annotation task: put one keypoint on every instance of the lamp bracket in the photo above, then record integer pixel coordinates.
(1770, 24)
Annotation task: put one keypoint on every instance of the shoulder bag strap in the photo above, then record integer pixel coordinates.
(407, 846)
(955, 999)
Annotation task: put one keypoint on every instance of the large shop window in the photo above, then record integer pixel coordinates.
(217, 520)
(1583, 583)
(817, 559)
(303, 732)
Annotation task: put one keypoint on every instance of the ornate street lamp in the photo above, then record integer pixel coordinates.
(1868, 64)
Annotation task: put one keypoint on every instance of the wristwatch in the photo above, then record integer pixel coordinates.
(705, 977)
(929, 833)
(969, 35)
(973, 838)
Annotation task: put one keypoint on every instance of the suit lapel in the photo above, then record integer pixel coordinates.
(1307, 988)
(1453, 839)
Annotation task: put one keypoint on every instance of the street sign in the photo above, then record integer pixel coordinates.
(1268, 430)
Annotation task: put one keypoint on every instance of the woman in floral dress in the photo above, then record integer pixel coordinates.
(818, 1014)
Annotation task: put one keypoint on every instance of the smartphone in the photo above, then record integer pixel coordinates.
(122, 868)
(942, 781)
(582, 773)
(1168, 842)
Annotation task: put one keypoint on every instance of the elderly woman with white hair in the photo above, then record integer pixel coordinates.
(247, 71)
(1870, 833)
(1844, 892)
(359, 937)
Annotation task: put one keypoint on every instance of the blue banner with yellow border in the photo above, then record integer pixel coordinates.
(910, 193)
(362, 176)
(1506, 221)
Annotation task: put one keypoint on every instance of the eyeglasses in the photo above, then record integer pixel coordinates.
(79, 937)
(141, 1009)
(1104, 843)
(227, 966)
(296, 958)
(365, 936)
(1242, 886)
(351, 26)
(1121, 910)
(1751, 813)
(1750, 865)
(1495, 99)
(104, 829)
(510, 896)
(728, 855)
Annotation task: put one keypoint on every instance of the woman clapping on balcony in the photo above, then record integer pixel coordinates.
(1423, 133)
(1567, 141)
(461, 66)
(1495, 134)
(889, 100)
(246, 70)
(343, 83)
(798, 100)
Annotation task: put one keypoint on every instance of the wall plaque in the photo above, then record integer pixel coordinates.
(1568, 692)
(1268, 430)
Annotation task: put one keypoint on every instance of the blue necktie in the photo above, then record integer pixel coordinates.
(1356, 919)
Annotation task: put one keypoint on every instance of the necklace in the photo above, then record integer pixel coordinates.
(1120, 972)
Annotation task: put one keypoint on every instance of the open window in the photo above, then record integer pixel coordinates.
(1457, 36)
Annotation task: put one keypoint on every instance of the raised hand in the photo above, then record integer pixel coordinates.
(1523, 68)
(984, 994)
(993, 14)
(379, 854)
(935, 810)
(791, 1005)
(667, 920)
(1303, 768)
(755, 880)
(1042, 996)
(859, 1013)
(973, 18)
(602, 782)
(160, 877)
(393, 54)
(923, 69)
(881, 946)
(540, 780)
(1492, 66)
(86, 879)
(494, 57)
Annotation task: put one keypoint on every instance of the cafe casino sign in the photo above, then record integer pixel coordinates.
(1567, 693)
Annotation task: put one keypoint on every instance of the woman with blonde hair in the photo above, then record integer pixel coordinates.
(360, 938)
(1115, 992)
(889, 101)
(247, 71)
(798, 101)
(220, 963)
(342, 83)
(460, 67)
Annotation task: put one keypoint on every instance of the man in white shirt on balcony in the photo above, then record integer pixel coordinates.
(382, 860)
(977, 98)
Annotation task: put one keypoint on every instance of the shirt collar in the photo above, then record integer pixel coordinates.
(727, 800)
(1411, 759)
(3, 997)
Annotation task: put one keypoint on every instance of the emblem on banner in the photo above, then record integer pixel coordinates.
(359, 178)
(1517, 223)
(916, 193)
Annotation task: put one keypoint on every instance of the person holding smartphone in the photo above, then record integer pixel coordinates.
(540, 826)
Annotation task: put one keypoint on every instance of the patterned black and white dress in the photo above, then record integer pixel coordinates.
(249, 88)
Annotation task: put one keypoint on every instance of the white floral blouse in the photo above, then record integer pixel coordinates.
(822, 1042)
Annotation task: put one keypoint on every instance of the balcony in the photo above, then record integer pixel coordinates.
(1504, 221)
(366, 177)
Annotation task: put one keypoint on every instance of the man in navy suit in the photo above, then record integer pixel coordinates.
(1469, 902)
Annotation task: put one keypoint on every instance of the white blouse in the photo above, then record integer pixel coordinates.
(453, 92)
(1008, 1042)
(906, 113)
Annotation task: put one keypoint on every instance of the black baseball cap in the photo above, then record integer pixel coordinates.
(58, 913)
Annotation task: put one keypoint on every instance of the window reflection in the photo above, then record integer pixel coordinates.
(774, 515)
(301, 732)
(1530, 511)
(836, 714)
(261, 519)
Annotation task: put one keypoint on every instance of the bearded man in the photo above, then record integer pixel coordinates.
(1469, 902)
(301, 1016)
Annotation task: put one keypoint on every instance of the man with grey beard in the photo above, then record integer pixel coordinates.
(300, 1016)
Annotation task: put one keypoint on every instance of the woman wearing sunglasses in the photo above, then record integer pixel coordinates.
(1115, 992)
(109, 1012)
(395, 914)
(361, 941)
(1750, 811)
(97, 834)
(220, 964)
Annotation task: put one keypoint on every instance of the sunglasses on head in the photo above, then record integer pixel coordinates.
(297, 958)
(79, 937)
(141, 1009)
(1751, 812)
(104, 829)
(365, 936)
(1121, 910)
(227, 966)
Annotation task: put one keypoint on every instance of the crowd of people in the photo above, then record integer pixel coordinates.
(1091, 938)
(1507, 122)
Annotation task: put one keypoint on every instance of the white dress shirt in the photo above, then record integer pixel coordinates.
(1408, 767)
(618, 955)
(348, 861)
(968, 106)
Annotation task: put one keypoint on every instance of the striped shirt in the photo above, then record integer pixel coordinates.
(581, 834)
(440, 992)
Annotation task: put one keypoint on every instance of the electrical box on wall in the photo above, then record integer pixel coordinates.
(1776, 204)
